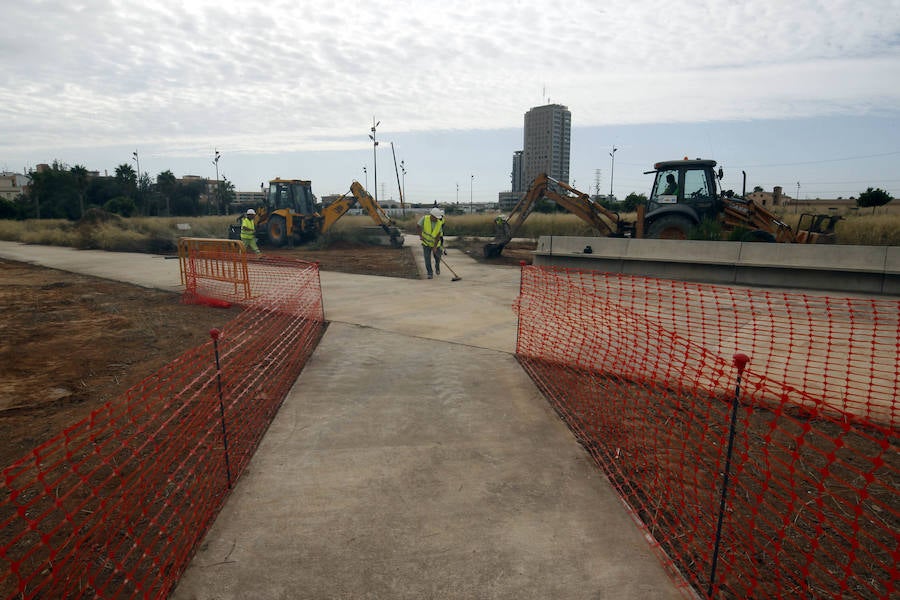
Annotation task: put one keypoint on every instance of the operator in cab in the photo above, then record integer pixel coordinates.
(671, 186)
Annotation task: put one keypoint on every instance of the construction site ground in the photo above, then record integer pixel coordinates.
(413, 458)
(73, 342)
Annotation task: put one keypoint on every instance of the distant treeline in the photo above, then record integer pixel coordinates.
(61, 192)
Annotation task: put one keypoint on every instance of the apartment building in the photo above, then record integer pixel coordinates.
(547, 142)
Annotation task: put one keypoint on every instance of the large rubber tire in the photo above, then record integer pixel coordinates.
(670, 227)
(493, 250)
(276, 231)
(758, 235)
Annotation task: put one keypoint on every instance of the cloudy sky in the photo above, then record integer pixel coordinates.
(803, 94)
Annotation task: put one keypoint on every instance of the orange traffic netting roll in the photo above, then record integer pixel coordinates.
(114, 506)
(777, 478)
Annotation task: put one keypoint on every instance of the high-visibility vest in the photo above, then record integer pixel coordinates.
(248, 229)
(431, 230)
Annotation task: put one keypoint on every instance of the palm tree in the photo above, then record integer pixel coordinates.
(81, 181)
(127, 179)
(167, 183)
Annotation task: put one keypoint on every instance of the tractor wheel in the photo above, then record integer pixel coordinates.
(670, 227)
(757, 235)
(493, 250)
(276, 231)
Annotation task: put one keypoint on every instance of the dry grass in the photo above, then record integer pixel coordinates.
(879, 230)
(160, 234)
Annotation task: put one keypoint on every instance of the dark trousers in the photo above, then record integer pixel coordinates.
(427, 252)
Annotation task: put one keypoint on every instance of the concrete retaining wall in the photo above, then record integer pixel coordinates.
(860, 269)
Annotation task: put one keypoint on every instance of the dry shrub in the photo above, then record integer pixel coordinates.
(878, 230)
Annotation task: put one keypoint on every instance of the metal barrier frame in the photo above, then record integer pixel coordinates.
(214, 259)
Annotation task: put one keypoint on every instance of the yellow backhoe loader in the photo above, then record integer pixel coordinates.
(685, 193)
(290, 215)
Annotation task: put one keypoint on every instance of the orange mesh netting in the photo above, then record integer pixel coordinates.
(114, 506)
(643, 371)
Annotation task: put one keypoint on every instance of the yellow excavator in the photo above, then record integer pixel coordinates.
(684, 194)
(290, 215)
(578, 203)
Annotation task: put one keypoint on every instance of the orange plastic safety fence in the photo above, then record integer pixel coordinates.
(114, 506)
(642, 371)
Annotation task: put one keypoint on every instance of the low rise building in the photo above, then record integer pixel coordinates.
(12, 185)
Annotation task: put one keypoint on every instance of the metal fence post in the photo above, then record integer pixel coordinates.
(214, 333)
(740, 361)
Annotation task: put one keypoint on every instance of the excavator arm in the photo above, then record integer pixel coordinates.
(738, 212)
(577, 203)
(358, 194)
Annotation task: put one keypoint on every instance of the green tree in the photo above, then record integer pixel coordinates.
(632, 201)
(186, 201)
(80, 174)
(120, 205)
(226, 192)
(127, 180)
(167, 185)
(874, 198)
(9, 209)
(101, 190)
(53, 193)
(145, 196)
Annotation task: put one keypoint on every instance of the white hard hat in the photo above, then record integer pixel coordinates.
(250, 211)
(437, 213)
(503, 217)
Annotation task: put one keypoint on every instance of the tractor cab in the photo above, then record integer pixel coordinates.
(294, 195)
(290, 214)
(691, 184)
(684, 193)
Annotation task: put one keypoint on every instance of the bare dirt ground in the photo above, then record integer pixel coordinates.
(513, 254)
(71, 342)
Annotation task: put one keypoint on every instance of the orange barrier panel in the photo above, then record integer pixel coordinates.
(219, 260)
(802, 456)
(114, 506)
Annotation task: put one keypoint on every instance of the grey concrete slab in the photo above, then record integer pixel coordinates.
(403, 468)
(146, 270)
(854, 269)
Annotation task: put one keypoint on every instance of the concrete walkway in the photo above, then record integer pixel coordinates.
(413, 458)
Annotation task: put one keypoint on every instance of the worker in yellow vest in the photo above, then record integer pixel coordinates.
(248, 231)
(431, 232)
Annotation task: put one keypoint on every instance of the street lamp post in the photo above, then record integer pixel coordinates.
(375, 154)
(471, 183)
(218, 190)
(403, 185)
(612, 170)
(137, 161)
(366, 173)
(225, 184)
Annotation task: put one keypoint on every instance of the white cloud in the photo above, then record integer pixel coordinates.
(182, 73)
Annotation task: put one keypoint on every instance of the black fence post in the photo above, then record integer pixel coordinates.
(214, 333)
(740, 361)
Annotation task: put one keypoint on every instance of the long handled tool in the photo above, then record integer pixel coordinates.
(455, 276)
